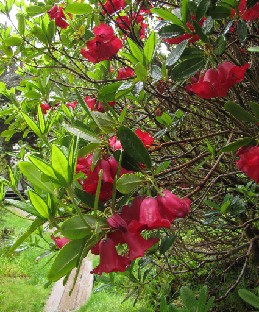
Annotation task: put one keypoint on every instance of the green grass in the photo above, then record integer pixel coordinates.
(21, 278)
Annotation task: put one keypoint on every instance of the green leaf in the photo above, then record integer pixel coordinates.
(31, 172)
(233, 147)
(249, 297)
(202, 298)
(188, 68)
(200, 33)
(108, 92)
(27, 207)
(149, 48)
(21, 23)
(188, 298)
(242, 31)
(41, 120)
(35, 224)
(184, 10)
(39, 204)
(88, 199)
(163, 304)
(89, 148)
(133, 146)
(166, 243)
(190, 53)
(168, 16)
(31, 124)
(83, 134)
(33, 10)
(251, 3)
(125, 88)
(171, 31)
(59, 163)
(51, 31)
(43, 167)
(135, 50)
(66, 260)
(128, 183)
(202, 9)
(176, 53)
(13, 41)
(78, 8)
(75, 228)
(141, 72)
(253, 49)
(219, 12)
(220, 45)
(255, 108)
(104, 121)
(32, 95)
(239, 112)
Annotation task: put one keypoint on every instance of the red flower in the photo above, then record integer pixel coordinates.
(145, 137)
(172, 207)
(150, 216)
(250, 14)
(110, 261)
(191, 37)
(45, 107)
(115, 144)
(56, 13)
(249, 161)
(217, 82)
(72, 104)
(111, 6)
(125, 72)
(96, 106)
(60, 242)
(103, 46)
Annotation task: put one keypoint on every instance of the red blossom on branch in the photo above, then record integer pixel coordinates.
(103, 46)
(249, 161)
(217, 82)
(112, 6)
(145, 137)
(127, 24)
(94, 105)
(56, 13)
(125, 72)
(45, 107)
(60, 242)
(246, 14)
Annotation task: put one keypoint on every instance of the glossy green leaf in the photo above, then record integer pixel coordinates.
(66, 260)
(188, 297)
(128, 183)
(41, 120)
(233, 147)
(31, 172)
(239, 112)
(149, 48)
(89, 148)
(75, 228)
(220, 45)
(171, 31)
(108, 92)
(39, 204)
(34, 10)
(253, 49)
(78, 8)
(200, 33)
(176, 53)
(166, 243)
(43, 167)
(184, 10)
(255, 108)
(31, 124)
(168, 16)
(133, 146)
(190, 53)
(35, 224)
(32, 95)
(219, 12)
(21, 23)
(135, 50)
(242, 31)
(83, 134)
(59, 163)
(25, 206)
(104, 121)
(251, 3)
(141, 72)
(249, 297)
(202, 9)
(188, 68)
(13, 41)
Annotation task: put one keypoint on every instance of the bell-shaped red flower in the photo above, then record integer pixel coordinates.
(110, 261)
(95, 105)
(172, 207)
(111, 6)
(125, 72)
(249, 161)
(45, 107)
(72, 104)
(246, 14)
(150, 216)
(145, 137)
(56, 13)
(130, 213)
(60, 242)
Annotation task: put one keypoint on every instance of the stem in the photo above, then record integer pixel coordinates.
(97, 194)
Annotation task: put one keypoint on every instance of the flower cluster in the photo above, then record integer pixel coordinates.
(125, 72)
(56, 13)
(249, 161)
(103, 46)
(144, 213)
(45, 107)
(246, 14)
(89, 184)
(217, 82)
(191, 37)
(112, 6)
(94, 105)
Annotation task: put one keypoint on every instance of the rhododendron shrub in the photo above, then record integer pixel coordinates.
(135, 127)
